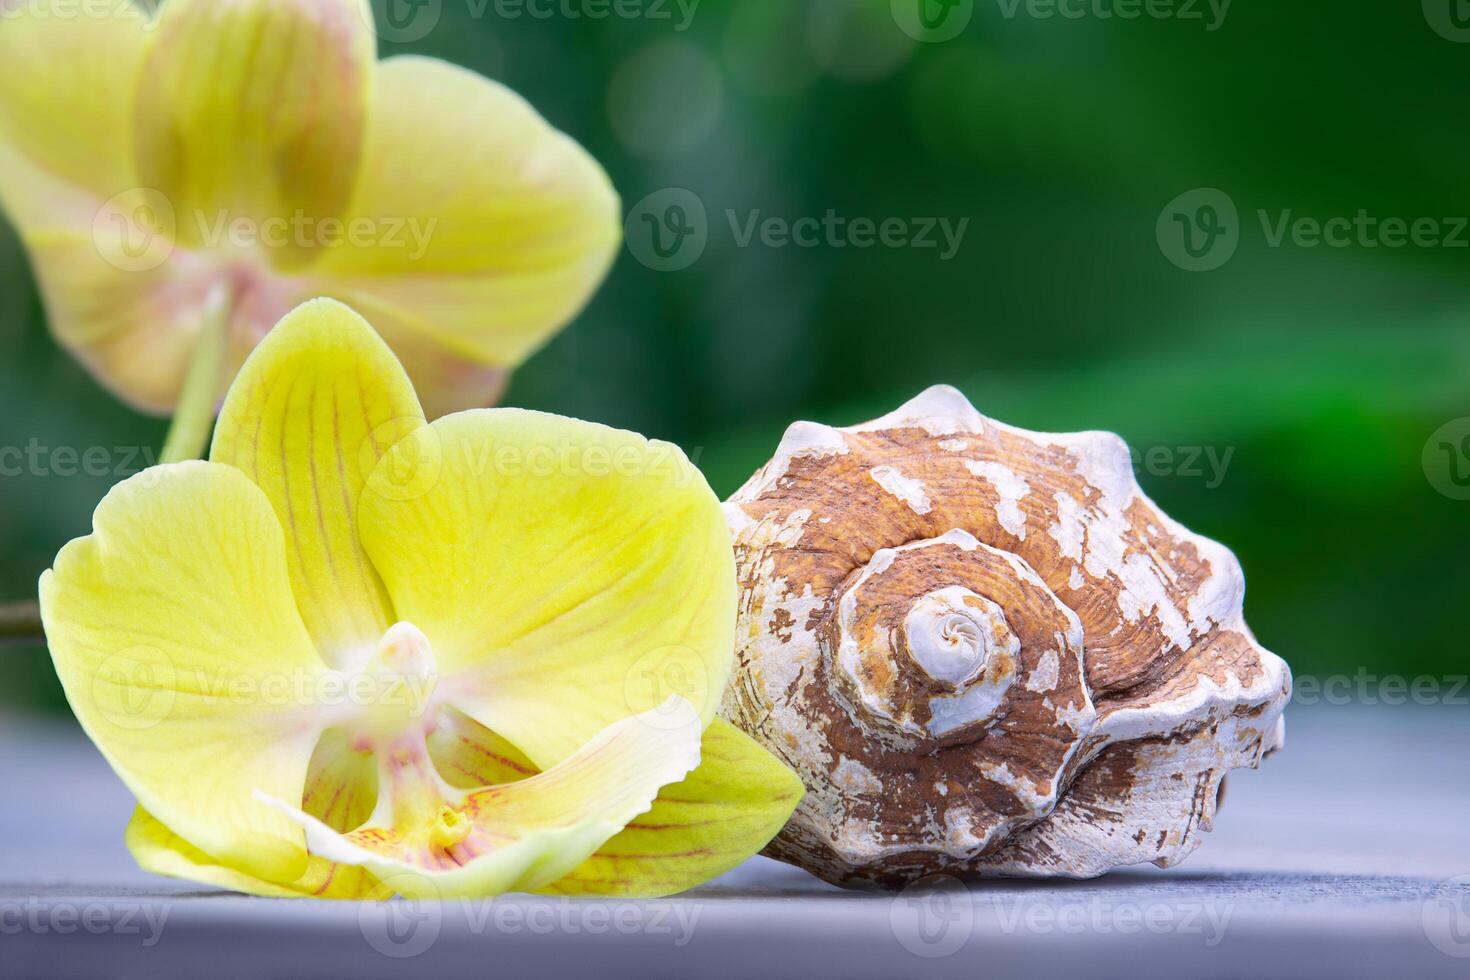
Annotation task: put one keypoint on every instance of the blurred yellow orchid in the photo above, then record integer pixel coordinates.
(203, 171)
(355, 652)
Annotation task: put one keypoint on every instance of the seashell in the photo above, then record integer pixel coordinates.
(986, 652)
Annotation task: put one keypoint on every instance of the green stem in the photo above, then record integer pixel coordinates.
(194, 416)
(20, 622)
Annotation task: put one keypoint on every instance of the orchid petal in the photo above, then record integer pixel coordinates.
(147, 162)
(312, 410)
(469, 755)
(700, 827)
(716, 817)
(255, 111)
(342, 782)
(66, 110)
(567, 574)
(520, 835)
(446, 381)
(161, 851)
(174, 633)
(133, 327)
(116, 294)
(341, 789)
(487, 230)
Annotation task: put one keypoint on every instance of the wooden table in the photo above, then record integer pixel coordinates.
(1346, 855)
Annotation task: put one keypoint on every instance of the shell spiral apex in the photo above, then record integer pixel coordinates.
(985, 651)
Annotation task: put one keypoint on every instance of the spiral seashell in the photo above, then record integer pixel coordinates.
(985, 651)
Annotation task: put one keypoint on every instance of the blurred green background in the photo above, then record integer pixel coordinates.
(1316, 374)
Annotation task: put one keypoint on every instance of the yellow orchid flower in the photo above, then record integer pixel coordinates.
(182, 181)
(357, 652)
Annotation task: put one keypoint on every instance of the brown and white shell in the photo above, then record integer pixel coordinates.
(985, 651)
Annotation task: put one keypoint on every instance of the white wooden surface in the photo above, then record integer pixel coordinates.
(1346, 855)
